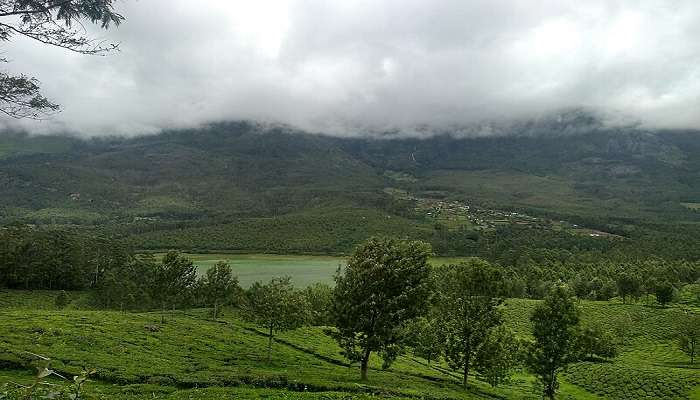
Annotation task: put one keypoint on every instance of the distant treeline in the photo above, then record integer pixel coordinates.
(532, 261)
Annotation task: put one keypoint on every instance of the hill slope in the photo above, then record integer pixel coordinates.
(231, 175)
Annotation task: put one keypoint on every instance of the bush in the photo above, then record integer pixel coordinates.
(62, 300)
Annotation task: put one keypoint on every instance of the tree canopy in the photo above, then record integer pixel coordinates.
(53, 23)
(385, 285)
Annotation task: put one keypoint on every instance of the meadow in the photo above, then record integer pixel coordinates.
(194, 357)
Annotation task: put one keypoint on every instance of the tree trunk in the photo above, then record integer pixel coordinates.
(269, 347)
(364, 365)
(162, 313)
(466, 374)
(467, 361)
(216, 310)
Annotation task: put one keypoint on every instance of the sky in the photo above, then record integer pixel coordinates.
(350, 67)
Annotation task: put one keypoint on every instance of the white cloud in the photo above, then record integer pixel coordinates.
(346, 66)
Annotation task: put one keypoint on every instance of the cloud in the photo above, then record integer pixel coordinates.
(361, 65)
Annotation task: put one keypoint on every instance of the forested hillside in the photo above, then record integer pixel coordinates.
(242, 186)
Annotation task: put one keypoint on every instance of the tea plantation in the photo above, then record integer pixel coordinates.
(193, 357)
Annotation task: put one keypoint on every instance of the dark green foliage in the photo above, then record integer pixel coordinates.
(425, 337)
(689, 336)
(498, 356)
(62, 300)
(664, 293)
(172, 280)
(48, 23)
(219, 287)
(319, 296)
(277, 307)
(467, 309)
(385, 285)
(592, 342)
(55, 259)
(554, 327)
(629, 286)
(128, 286)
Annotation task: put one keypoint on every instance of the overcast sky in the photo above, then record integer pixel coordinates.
(347, 66)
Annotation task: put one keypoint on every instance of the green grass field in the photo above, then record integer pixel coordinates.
(304, 270)
(193, 357)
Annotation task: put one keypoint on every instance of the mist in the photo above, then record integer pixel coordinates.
(358, 67)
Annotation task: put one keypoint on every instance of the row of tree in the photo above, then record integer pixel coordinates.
(389, 297)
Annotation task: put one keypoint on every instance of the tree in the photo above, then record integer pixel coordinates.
(426, 339)
(498, 356)
(50, 22)
(592, 341)
(385, 285)
(664, 293)
(320, 299)
(628, 286)
(467, 305)
(62, 300)
(554, 324)
(689, 336)
(172, 279)
(276, 306)
(622, 327)
(219, 286)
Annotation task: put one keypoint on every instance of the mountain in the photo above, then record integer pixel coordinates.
(196, 188)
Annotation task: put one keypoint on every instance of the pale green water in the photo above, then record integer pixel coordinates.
(304, 270)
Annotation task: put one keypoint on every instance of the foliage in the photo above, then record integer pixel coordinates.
(591, 341)
(554, 324)
(689, 336)
(319, 296)
(467, 308)
(62, 300)
(51, 23)
(41, 389)
(498, 356)
(55, 259)
(664, 293)
(425, 338)
(385, 285)
(628, 286)
(219, 286)
(226, 358)
(277, 307)
(172, 279)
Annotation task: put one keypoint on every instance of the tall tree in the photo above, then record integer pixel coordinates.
(385, 285)
(554, 325)
(52, 22)
(498, 356)
(172, 280)
(219, 286)
(467, 302)
(629, 286)
(276, 306)
(689, 336)
(664, 293)
(320, 299)
(426, 339)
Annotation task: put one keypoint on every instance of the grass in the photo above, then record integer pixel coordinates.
(649, 365)
(192, 357)
(303, 269)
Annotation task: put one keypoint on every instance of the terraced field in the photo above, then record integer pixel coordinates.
(192, 357)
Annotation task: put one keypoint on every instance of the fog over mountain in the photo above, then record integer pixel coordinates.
(365, 66)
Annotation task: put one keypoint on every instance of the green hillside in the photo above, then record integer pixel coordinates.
(238, 186)
(193, 357)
